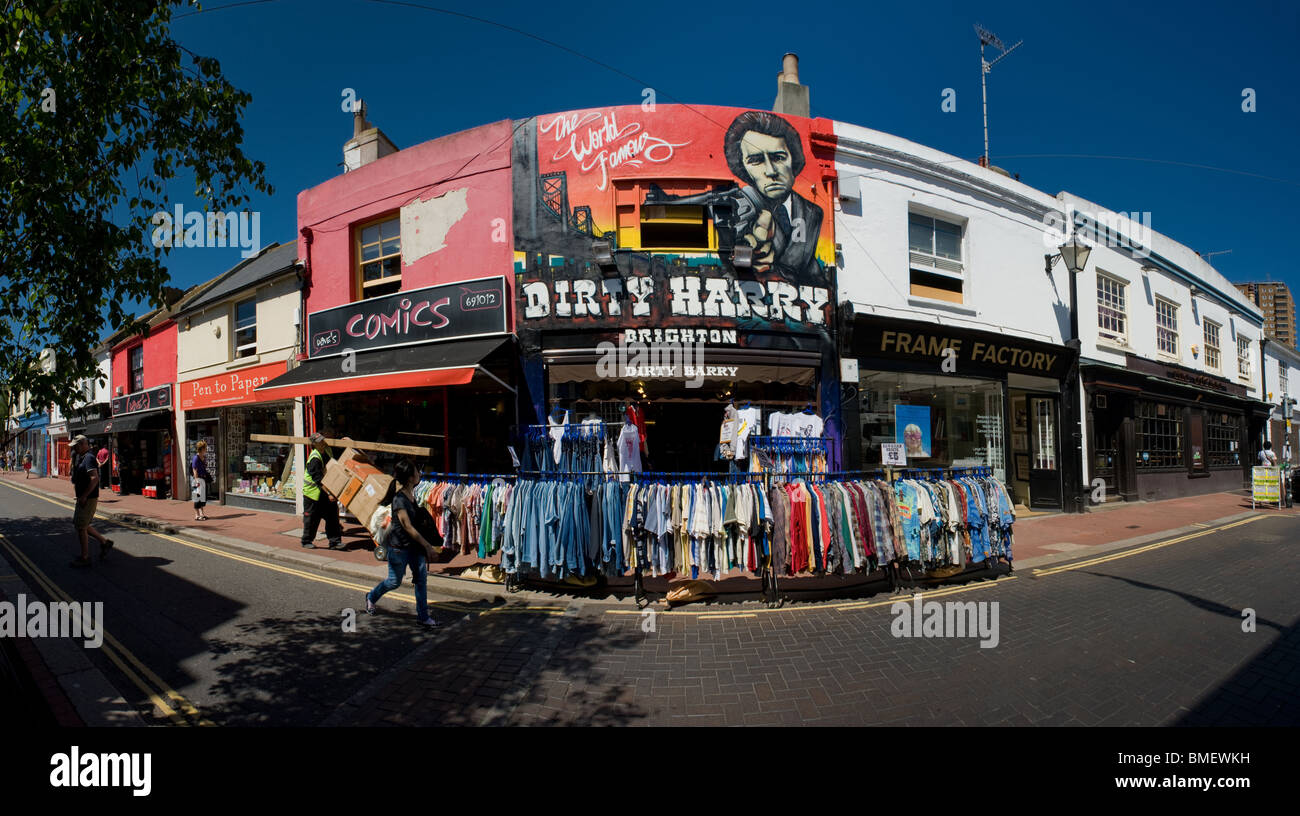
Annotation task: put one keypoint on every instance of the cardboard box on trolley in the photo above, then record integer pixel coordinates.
(376, 490)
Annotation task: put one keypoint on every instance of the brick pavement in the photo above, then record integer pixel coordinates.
(1149, 639)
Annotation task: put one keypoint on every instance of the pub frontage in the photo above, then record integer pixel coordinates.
(1161, 431)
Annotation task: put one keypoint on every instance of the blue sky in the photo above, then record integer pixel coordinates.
(1159, 81)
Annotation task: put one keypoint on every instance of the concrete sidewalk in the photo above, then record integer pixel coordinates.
(1038, 540)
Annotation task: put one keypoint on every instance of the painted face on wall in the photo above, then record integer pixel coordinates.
(767, 161)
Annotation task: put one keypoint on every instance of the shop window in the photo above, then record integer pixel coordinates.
(1159, 435)
(246, 329)
(1112, 317)
(665, 226)
(1243, 357)
(1212, 357)
(1166, 327)
(1223, 433)
(960, 419)
(379, 253)
(135, 359)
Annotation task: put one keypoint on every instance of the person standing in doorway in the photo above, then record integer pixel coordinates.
(1267, 457)
(199, 479)
(316, 503)
(85, 484)
(407, 545)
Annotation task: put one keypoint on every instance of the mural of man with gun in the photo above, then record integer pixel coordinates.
(764, 213)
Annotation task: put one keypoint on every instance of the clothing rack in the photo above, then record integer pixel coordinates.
(465, 477)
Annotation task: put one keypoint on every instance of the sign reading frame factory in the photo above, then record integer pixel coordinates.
(975, 352)
(461, 310)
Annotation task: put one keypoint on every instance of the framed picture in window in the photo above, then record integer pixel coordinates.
(1022, 466)
(1019, 415)
(1020, 441)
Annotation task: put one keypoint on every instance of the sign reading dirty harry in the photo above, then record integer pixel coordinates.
(450, 311)
(665, 298)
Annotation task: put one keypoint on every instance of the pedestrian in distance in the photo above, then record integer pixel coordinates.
(85, 483)
(316, 503)
(199, 479)
(408, 545)
(27, 465)
(1267, 457)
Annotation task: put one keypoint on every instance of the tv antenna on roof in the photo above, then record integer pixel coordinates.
(1205, 256)
(989, 38)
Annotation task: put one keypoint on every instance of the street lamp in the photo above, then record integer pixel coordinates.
(1075, 254)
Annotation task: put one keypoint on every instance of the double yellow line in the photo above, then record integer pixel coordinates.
(403, 596)
(170, 702)
(1146, 548)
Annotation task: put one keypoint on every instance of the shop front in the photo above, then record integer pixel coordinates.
(32, 440)
(143, 434)
(959, 398)
(57, 452)
(678, 352)
(1160, 431)
(224, 411)
(427, 367)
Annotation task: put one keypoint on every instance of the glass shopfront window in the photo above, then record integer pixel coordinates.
(942, 421)
(259, 468)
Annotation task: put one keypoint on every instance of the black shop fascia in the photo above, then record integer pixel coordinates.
(679, 340)
(958, 397)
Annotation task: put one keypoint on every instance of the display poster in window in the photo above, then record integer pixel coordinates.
(912, 429)
(454, 311)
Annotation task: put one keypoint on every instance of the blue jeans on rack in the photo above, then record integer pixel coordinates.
(399, 558)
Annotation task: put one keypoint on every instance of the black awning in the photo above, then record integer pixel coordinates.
(428, 364)
(143, 421)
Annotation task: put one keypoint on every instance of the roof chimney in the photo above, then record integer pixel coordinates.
(368, 142)
(791, 97)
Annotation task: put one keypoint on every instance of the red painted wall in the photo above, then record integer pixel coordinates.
(159, 359)
(476, 160)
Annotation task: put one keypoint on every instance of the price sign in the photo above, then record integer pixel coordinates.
(893, 454)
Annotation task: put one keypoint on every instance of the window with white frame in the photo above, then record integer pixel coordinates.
(1212, 345)
(935, 258)
(1281, 379)
(1243, 357)
(245, 329)
(1112, 318)
(1167, 326)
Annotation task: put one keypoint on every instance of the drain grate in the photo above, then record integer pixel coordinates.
(1133, 526)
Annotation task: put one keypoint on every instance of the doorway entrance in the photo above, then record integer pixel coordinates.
(1035, 435)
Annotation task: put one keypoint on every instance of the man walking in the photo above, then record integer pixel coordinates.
(316, 503)
(85, 483)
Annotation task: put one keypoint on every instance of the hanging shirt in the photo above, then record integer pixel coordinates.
(556, 433)
(802, 424)
(748, 421)
(727, 434)
(629, 450)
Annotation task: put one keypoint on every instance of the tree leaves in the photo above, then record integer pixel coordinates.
(80, 183)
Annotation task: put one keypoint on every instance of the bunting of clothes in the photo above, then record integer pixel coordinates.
(470, 516)
(564, 527)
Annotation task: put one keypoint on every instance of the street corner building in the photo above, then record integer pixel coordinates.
(683, 308)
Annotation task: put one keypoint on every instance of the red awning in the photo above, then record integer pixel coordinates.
(423, 366)
(371, 382)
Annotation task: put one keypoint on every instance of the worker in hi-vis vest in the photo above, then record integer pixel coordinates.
(316, 503)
